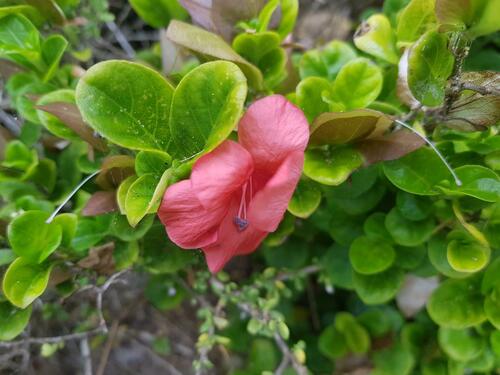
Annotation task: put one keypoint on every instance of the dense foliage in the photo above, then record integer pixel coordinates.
(387, 259)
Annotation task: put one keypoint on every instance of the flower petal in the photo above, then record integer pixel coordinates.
(218, 174)
(231, 242)
(188, 223)
(271, 129)
(269, 204)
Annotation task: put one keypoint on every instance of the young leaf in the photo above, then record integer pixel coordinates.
(52, 52)
(12, 321)
(127, 103)
(32, 238)
(430, 63)
(309, 96)
(158, 13)
(358, 84)
(24, 282)
(326, 62)
(465, 254)
(376, 37)
(206, 106)
(331, 167)
(139, 195)
(212, 47)
(414, 20)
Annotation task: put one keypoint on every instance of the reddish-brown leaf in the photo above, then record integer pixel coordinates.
(101, 202)
(389, 147)
(69, 114)
(8, 68)
(114, 170)
(100, 259)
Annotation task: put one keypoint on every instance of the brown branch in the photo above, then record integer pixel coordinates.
(479, 89)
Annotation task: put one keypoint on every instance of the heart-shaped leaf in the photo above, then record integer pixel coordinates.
(24, 282)
(32, 238)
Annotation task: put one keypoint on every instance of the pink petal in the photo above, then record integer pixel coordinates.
(271, 129)
(232, 242)
(188, 223)
(220, 173)
(270, 203)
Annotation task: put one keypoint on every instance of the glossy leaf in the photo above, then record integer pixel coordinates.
(206, 107)
(331, 167)
(32, 238)
(430, 63)
(127, 103)
(465, 254)
(24, 282)
(358, 84)
(376, 37)
(326, 62)
(305, 199)
(418, 172)
(438, 256)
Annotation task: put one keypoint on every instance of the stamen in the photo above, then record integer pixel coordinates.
(240, 221)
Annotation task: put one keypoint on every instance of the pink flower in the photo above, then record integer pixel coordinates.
(239, 192)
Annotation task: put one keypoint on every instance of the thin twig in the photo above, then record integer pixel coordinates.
(121, 39)
(86, 356)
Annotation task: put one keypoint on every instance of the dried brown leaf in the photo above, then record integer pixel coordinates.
(100, 259)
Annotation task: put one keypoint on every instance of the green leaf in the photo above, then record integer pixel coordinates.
(417, 173)
(206, 107)
(32, 238)
(337, 267)
(121, 193)
(374, 226)
(331, 166)
(465, 254)
(492, 306)
(410, 258)
(491, 276)
(24, 282)
(155, 162)
(139, 195)
(12, 321)
(453, 14)
(213, 47)
(477, 181)
(332, 343)
(370, 255)
(309, 96)
(126, 254)
(457, 304)
(20, 41)
(26, 10)
(378, 288)
(395, 360)
(438, 256)
(18, 156)
(336, 128)
(358, 84)
(52, 52)
(127, 103)
(163, 294)
(305, 199)
(407, 232)
(415, 19)
(50, 10)
(356, 336)
(461, 344)
(121, 229)
(51, 122)
(289, 12)
(67, 222)
(264, 51)
(413, 207)
(89, 231)
(158, 13)
(376, 37)
(326, 62)
(430, 63)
